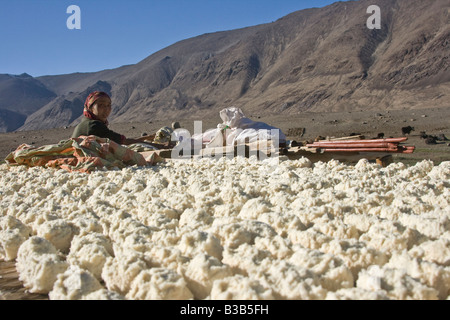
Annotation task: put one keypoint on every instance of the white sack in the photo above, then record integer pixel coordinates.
(239, 129)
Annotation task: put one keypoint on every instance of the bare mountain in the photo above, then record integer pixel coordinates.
(63, 110)
(20, 96)
(322, 59)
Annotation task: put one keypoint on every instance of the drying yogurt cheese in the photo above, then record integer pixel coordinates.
(121, 226)
(38, 265)
(10, 241)
(12, 234)
(437, 251)
(103, 294)
(333, 274)
(396, 283)
(356, 294)
(278, 247)
(428, 273)
(73, 284)
(202, 272)
(168, 257)
(239, 287)
(159, 284)
(59, 232)
(195, 218)
(193, 242)
(231, 229)
(80, 284)
(10, 223)
(120, 271)
(90, 252)
(235, 234)
(356, 254)
(291, 282)
(85, 224)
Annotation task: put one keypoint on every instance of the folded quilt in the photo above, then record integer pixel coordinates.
(82, 154)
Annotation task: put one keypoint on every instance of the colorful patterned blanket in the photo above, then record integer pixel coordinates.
(82, 154)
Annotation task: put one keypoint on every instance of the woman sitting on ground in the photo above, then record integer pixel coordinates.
(97, 109)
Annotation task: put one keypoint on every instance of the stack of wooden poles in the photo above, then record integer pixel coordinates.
(391, 145)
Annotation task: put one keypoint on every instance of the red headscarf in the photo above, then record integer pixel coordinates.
(90, 100)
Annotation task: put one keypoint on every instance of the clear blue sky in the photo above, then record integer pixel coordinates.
(34, 37)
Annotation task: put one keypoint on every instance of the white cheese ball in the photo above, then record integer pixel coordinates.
(119, 272)
(10, 242)
(333, 274)
(244, 232)
(159, 284)
(59, 232)
(193, 242)
(396, 283)
(429, 273)
(86, 224)
(202, 272)
(74, 284)
(164, 256)
(292, 282)
(90, 252)
(9, 222)
(357, 294)
(239, 287)
(12, 234)
(437, 251)
(355, 254)
(38, 265)
(103, 294)
(195, 218)
(245, 258)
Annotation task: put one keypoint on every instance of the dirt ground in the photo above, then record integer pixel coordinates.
(368, 123)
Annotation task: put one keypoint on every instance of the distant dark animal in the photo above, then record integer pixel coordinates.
(430, 140)
(423, 135)
(379, 136)
(407, 130)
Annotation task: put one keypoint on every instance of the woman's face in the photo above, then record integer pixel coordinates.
(102, 108)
